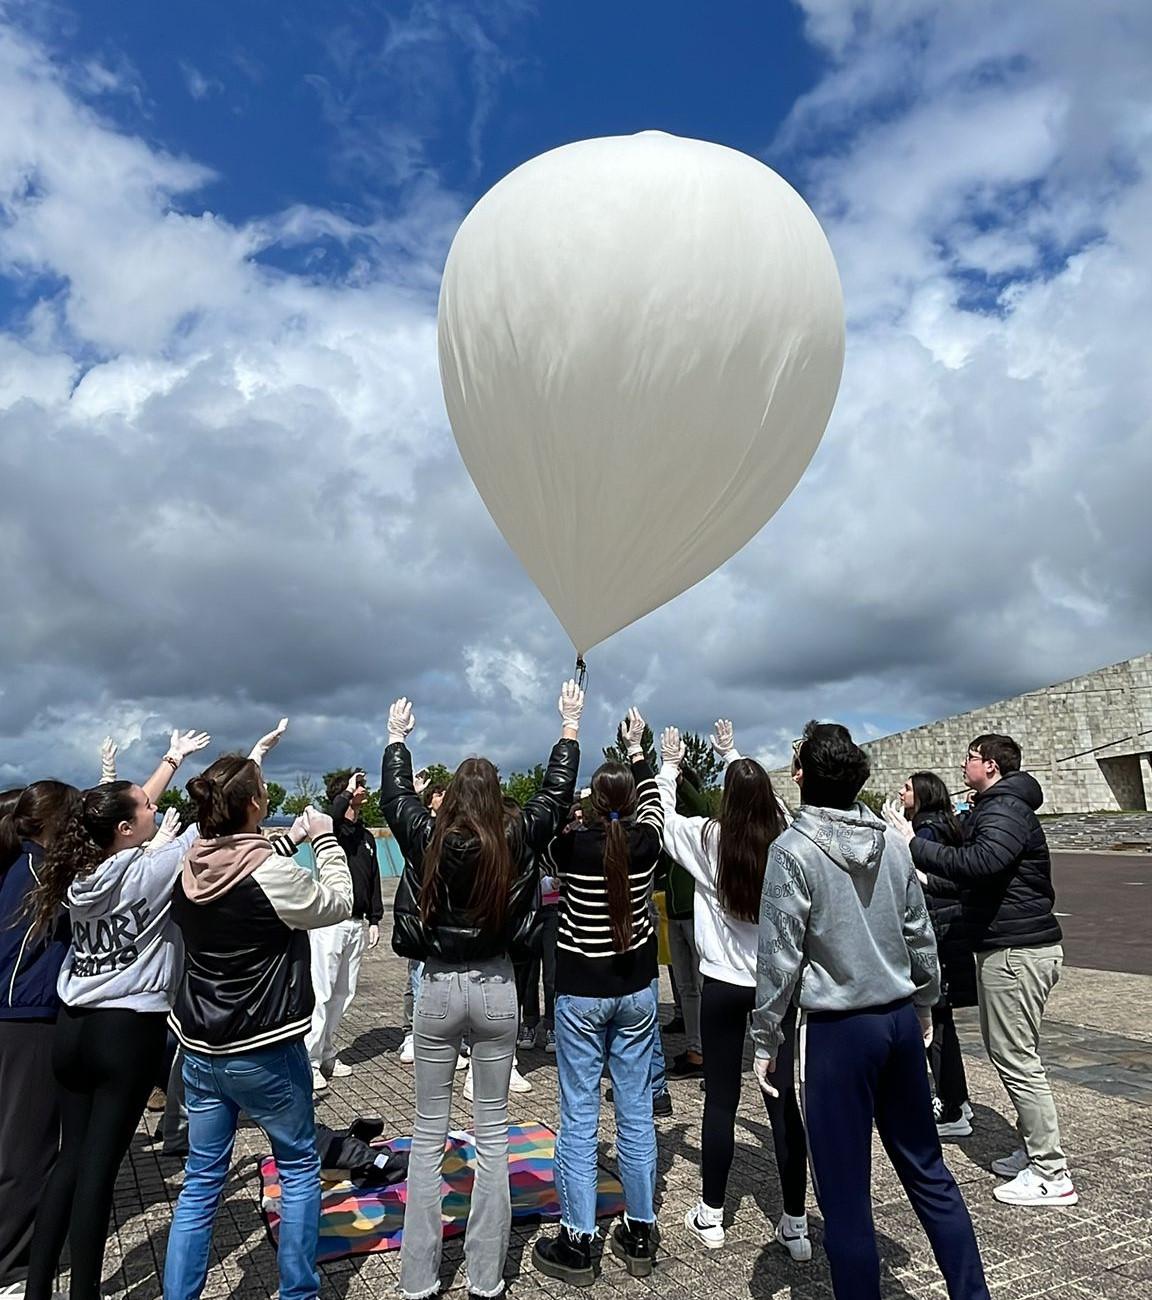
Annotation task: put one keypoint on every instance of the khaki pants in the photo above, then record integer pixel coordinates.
(1014, 988)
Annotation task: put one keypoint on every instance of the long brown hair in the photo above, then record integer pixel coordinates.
(473, 809)
(749, 820)
(77, 830)
(613, 797)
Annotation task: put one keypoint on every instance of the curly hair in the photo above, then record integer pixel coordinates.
(834, 766)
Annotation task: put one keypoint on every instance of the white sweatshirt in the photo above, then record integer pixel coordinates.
(726, 947)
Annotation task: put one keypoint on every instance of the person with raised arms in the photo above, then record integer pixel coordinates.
(466, 899)
(243, 1005)
(726, 856)
(606, 1012)
(114, 872)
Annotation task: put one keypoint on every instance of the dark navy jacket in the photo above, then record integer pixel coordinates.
(29, 965)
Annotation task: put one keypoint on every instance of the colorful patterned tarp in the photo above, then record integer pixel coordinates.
(360, 1221)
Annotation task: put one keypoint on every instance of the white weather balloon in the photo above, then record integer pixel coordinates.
(641, 339)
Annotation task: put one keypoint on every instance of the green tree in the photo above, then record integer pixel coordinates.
(521, 786)
(307, 790)
(276, 796)
(179, 800)
(618, 753)
(872, 799)
(370, 813)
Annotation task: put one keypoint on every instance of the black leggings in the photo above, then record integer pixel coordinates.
(724, 1012)
(105, 1061)
(947, 1063)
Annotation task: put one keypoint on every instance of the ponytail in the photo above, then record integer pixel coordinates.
(613, 797)
(616, 880)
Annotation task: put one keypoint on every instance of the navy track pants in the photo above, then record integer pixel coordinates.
(863, 1066)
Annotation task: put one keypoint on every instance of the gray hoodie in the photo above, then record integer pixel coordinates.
(842, 913)
(125, 950)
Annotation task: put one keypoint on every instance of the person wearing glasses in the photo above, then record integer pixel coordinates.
(1004, 873)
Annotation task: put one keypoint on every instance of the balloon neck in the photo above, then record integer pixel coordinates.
(581, 671)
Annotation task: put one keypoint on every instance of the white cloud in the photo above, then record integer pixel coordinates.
(231, 491)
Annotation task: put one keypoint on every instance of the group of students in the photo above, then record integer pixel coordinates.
(814, 927)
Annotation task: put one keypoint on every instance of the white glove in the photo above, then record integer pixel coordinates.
(420, 783)
(571, 705)
(723, 740)
(298, 831)
(632, 733)
(184, 743)
(265, 743)
(316, 823)
(401, 720)
(672, 747)
(107, 761)
(167, 831)
(924, 1015)
(764, 1067)
(894, 816)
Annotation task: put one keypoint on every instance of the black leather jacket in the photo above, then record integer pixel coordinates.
(453, 933)
(1003, 869)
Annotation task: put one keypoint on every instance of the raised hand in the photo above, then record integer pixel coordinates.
(671, 746)
(632, 733)
(316, 823)
(723, 738)
(183, 743)
(571, 705)
(401, 720)
(270, 741)
(420, 782)
(107, 761)
(166, 832)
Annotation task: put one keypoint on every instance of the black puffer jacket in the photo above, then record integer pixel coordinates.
(1003, 868)
(957, 965)
(453, 933)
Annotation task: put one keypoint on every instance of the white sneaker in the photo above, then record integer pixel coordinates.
(966, 1109)
(319, 1082)
(792, 1234)
(518, 1083)
(407, 1050)
(468, 1085)
(706, 1225)
(1010, 1166)
(1029, 1188)
(336, 1069)
(954, 1128)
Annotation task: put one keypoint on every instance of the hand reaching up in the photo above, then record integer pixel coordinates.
(183, 743)
(401, 720)
(671, 746)
(632, 733)
(571, 705)
(268, 742)
(723, 738)
(107, 761)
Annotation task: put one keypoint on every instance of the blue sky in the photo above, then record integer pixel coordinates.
(233, 492)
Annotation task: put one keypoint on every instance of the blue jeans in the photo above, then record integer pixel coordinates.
(590, 1031)
(274, 1087)
(659, 1078)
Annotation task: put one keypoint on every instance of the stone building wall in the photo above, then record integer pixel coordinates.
(1102, 712)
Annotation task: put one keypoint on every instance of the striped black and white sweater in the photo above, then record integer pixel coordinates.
(587, 965)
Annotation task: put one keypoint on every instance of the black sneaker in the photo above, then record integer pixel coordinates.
(684, 1068)
(634, 1243)
(662, 1104)
(565, 1257)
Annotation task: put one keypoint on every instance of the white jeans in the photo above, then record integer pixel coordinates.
(336, 954)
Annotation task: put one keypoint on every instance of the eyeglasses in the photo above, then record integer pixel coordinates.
(973, 758)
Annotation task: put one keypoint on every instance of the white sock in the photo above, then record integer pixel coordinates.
(794, 1225)
(708, 1217)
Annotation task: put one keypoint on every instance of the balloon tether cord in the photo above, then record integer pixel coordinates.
(581, 671)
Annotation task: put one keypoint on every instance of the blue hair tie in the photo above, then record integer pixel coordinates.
(614, 816)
